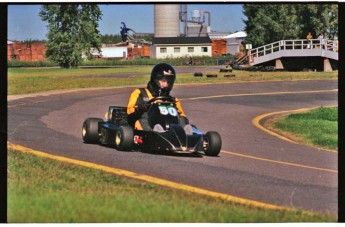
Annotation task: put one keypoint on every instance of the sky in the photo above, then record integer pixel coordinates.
(25, 24)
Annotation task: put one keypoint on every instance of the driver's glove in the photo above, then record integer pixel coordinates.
(183, 121)
(143, 107)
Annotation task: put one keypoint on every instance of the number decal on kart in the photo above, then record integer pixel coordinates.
(163, 110)
(172, 111)
(168, 110)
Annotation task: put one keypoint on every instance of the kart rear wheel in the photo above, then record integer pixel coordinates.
(212, 143)
(124, 138)
(90, 130)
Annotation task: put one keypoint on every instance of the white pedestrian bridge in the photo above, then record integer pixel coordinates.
(324, 48)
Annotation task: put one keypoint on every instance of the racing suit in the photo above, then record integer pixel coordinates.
(137, 106)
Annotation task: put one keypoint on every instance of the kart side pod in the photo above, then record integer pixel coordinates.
(174, 139)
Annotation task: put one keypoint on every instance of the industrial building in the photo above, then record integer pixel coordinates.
(168, 41)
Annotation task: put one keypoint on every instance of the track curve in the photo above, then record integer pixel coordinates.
(252, 164)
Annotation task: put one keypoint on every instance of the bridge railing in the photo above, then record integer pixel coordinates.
(296, 44)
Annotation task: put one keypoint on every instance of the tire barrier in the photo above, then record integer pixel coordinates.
(211, 75)
(198, 74)
(225, 70)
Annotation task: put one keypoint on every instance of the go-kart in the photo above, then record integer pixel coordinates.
(166, 133)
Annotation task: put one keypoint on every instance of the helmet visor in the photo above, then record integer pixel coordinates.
(165, 79)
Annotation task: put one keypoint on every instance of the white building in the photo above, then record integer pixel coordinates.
(110, 52)
(233, 42)
(176, 47)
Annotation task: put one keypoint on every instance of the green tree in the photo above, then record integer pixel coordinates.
(267, 23)
(318, 18)
(333, 22)
(73, 31)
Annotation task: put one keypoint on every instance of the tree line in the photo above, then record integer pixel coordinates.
(267, 23)
(116, 38)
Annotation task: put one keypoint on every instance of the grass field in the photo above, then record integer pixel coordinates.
(317, 127)
(31, 80)
(41, 190)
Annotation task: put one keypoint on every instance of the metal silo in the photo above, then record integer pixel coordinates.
(167, 21)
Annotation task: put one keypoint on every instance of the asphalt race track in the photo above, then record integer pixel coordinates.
(253, 164)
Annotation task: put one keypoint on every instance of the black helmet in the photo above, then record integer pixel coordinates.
(162, 71)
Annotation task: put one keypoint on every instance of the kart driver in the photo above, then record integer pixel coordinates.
(162, 81)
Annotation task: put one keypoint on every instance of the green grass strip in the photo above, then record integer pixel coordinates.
(31, 80)
(42, 190)
(318, 127)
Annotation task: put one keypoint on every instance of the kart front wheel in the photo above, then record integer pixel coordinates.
(90, 130)
(124, 138)
(212, 143)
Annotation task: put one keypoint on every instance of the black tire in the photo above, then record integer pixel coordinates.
(212, 143)
(90, 130)
(124, 138)
(225, 70)
(198, 74)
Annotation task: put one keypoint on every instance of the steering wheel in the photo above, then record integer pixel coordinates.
(162, 98)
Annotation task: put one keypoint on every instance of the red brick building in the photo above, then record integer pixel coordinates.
(218, 47)
(26, 51)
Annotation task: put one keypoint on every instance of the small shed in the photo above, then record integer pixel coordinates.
(234, 42)
(114, 52)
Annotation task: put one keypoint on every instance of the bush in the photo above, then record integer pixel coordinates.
(18, 63)
(216, 60)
